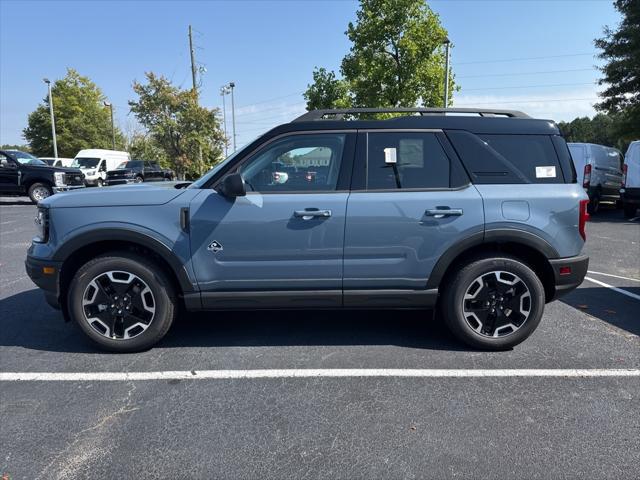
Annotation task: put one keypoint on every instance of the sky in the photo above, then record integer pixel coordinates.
(535, 56)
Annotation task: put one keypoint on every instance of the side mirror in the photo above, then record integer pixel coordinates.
(4, 163)
(233, 186)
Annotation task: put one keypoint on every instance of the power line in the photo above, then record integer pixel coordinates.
(527, 86)
(504, 60)
(527, 101)
(526, 73)
(271, 99)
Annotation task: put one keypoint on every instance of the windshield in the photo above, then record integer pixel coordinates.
(122, 165)
(25, 158)
(216, 168)
(85, 162)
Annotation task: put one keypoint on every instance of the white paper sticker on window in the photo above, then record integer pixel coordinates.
(390, 155)
(545, 172)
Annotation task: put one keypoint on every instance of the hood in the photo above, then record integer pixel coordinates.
(117, 196)
(53, 169)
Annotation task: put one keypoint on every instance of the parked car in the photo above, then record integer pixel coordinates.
(135, 171)
(599, 169)
(57, 162)
(479, 216)
(23, 174)
(95, 163)
(168, 174)
(630, 191)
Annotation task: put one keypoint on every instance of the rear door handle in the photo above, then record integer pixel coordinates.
(441, 212)
(312, 213)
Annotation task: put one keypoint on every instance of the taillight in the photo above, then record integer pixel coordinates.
(583, 218)
(586, 180)
(624, 175)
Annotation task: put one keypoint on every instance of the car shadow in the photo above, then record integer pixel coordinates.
(611, 307)
(27, 321)
(13, 202)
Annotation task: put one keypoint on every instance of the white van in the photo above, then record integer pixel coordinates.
(630, 189)
(599, 169)
(95, 163)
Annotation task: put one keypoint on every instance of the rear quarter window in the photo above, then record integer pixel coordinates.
(533, 155)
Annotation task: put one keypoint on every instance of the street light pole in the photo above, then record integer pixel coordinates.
(223, 93)
(113, 130)
(53, 121)
(233, 115)
(447, 44)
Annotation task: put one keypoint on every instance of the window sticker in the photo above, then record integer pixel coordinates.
(546, 172)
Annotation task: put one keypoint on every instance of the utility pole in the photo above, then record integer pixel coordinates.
(53, 120)
(233, 115)
(193, 64)
(223, 93)
(113, 129)
(447, 44)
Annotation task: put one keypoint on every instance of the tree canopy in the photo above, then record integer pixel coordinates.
(178, 125)
(621, 51)
(600, 129)
(82, 120)
(396, 59)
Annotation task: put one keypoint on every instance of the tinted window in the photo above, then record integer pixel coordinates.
(296, 163)
(404, 160)
(132, 164)
(533, 155)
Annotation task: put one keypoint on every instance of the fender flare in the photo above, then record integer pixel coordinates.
(146, 240)
(496, 235)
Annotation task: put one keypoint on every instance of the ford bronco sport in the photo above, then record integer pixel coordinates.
(474, 212)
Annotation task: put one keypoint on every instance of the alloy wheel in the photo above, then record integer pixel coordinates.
(497, 304)
(40, 193)
(118, 305)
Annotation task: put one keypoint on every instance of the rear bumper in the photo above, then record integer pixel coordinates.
(568, 273)
(630, 195)
(48, 282)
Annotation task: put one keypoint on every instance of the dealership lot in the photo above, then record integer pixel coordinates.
(285, 426)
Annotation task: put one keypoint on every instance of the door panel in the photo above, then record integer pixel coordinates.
(392, 242)
(9, 176)
(258, 242)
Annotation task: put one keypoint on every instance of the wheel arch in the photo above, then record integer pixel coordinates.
(530, 248)
(75, 252)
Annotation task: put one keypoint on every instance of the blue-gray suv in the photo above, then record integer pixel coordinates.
(474, 212)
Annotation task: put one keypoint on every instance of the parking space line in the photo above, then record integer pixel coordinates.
(310, 373)
(615, 289)
(614, 276)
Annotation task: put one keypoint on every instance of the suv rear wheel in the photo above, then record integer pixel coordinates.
(493, 303)
(39, 191)
(122, 301)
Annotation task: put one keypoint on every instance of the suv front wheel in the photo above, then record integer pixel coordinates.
(122, 301)
(494, 302)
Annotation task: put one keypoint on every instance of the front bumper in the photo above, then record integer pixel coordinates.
(119, 181)
(568, 273)
(48, 282)
(66, 188)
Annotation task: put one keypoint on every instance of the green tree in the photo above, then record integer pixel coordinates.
(601, 129)
(82, 121)
(396, 59)
(621, 50)
(142, 146)
(6, 146)
(327, 91)
(178, 125)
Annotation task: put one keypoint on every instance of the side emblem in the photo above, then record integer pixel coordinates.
(215, 247)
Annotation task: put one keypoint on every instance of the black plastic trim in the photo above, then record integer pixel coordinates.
(515, 235)
(120, 234)
(390, 298)
(566, 283)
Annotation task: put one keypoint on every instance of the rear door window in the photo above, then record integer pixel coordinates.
(406, 160)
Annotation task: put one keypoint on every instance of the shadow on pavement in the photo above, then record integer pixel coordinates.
(27, 321)
(25, 202)
(609, 306)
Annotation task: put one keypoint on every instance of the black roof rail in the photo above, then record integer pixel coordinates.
(339, 113)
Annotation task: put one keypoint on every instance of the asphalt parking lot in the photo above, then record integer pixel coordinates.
(388, 426)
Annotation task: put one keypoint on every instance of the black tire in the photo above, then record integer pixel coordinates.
(452, 302)
(39, 191)
(163, 296)
(593, 206)
(138, 179)
(99, 183)
(630, 210)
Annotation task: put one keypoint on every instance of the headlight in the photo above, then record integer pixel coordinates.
(91, 172)
(42, 225)
(59, 179)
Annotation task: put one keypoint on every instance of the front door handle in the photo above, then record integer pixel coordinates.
(312, 213)
(441, 212)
